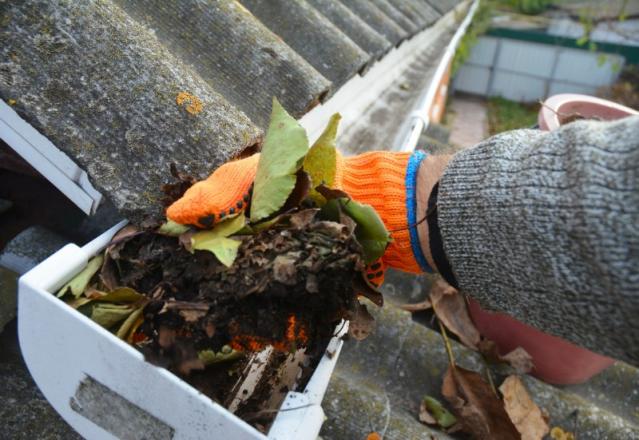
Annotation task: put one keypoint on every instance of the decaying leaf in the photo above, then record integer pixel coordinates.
(79, 283)
(125, 329)
(363, 287)
(321, 161)
(107, 314)
(478, 409)
(284, 270)
(119, 295)
(331, 193)
(519, 358)
(523, 412)
(299, 193)
(120, 239)
(209, 357)
(285, 146)
(361, 324)
(193, 314)
(216, 240)
(450, 308)
(173, 229)
(432, 412)
(108, 273)
(302, 218)
(76, 303)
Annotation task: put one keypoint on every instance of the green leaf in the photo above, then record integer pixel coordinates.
(321, 161)
(370, 231)
(441, 415)
(582, 40)
(173, 229)
(107, 315)
(284, 149)
(216, 241)
(225, 249)
(210, 357)
(80, 282)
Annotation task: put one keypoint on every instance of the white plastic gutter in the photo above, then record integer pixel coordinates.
(419, 119)
(359, 93)
(48, 160)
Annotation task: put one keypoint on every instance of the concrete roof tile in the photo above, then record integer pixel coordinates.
(357, 29)
(379, 21)
(105, 90)
(313, 36)
(235, 53)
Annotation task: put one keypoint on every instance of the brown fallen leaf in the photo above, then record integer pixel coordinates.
(303, 218)
(478, 409)
(120, 238)
(299, 193)
(364, 288)
(108, 273)
(519, 358)
(331, 193)
(450, 308)
(523, 412)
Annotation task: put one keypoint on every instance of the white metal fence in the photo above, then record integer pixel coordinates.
(526, 71)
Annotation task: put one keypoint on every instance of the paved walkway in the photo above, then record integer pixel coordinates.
(469, 124)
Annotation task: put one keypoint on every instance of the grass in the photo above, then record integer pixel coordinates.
(504, 115)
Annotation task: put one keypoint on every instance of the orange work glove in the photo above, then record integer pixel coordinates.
(385, 180)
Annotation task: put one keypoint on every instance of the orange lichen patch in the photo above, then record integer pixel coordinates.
(294, 337)
(191, 103)
(373, 436)
(11, 101)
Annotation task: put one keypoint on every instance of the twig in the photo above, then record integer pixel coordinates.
(490, 377)
(568, 115)
(449, 349)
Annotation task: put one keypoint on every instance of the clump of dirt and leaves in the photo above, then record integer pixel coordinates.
(280, 276)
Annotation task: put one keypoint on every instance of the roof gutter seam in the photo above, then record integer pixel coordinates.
(419, 119)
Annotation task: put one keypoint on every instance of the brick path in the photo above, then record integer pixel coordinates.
(469, 121)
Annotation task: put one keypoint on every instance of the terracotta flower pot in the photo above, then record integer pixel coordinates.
(556, 360)
(567, 107)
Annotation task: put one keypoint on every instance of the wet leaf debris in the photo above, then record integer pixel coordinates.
(277, 276)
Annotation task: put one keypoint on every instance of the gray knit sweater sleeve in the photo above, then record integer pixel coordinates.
(545, 227)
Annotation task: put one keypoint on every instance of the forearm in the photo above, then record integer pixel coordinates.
(543, 226)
